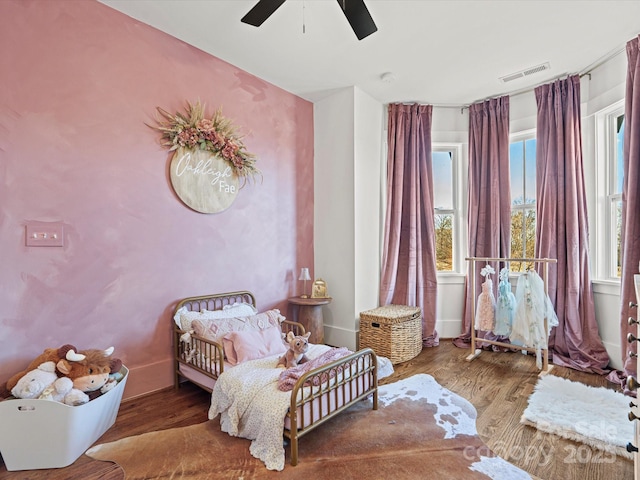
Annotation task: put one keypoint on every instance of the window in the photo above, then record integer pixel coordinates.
(609, 181)
(522, 165)
(446, 217)
(614, 197)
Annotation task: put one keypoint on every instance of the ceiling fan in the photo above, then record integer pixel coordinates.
(355, 10)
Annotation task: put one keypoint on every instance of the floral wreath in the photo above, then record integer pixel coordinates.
(216, 135)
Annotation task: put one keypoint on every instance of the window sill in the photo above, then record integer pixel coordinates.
(451, 278)
(607, 287)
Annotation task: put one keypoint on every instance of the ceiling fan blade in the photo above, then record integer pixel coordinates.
(359, 17)
(261, 11)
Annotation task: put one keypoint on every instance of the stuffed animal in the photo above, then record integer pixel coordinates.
(115, 375)
(43, 383)
(49, 355)
(115, 365)
(295, 355)
(88, 369)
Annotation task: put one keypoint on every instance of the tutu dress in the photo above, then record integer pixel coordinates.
(505, 305)
(485, 309)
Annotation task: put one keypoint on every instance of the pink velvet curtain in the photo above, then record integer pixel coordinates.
(630, 204)
(489, 217)
(562, 229)
(409, 256)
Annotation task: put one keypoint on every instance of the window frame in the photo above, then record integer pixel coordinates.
(457, 248)
(522, 137)
(606, 194)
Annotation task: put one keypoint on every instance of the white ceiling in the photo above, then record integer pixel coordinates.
(441, 52)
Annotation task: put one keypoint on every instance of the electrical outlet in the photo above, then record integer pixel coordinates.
(44, 235)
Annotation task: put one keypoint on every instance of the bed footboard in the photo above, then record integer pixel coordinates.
(335, 387)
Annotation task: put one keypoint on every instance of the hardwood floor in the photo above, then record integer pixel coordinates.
(497, 384)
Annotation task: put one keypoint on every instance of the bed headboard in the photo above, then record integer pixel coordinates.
(216, 301)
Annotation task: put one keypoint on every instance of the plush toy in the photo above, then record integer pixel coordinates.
(43, 383)
(295, 355)
(115, 375)
(115, 365)
(49, 355)
(88, 369)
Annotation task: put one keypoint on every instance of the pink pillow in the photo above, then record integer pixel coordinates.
(252, 344)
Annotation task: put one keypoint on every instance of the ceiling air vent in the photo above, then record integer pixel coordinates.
(525, 73)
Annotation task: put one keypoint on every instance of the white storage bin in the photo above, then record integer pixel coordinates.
(37, 434)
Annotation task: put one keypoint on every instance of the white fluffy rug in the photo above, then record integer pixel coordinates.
(596, 416)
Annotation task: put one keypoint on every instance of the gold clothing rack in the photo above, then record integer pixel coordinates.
(475, 352)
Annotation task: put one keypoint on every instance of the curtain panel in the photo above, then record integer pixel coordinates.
(489, 203)
(630, 238)
(409, 272)
(562, 228)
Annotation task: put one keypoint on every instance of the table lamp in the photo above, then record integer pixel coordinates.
(304, 276)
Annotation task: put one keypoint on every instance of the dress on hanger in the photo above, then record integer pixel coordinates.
(505, 305)
(485, 309)
(532, 306)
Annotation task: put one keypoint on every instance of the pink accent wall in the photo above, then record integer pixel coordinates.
(79, 82)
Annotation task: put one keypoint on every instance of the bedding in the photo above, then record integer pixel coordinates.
(250, 406)
(290, 376)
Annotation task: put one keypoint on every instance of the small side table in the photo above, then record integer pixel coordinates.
(310, 316)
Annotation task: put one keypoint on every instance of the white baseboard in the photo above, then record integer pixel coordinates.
(340, 337)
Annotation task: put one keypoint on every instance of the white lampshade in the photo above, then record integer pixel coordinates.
(304, 274)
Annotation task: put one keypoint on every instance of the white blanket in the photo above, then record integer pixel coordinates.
(251, 406)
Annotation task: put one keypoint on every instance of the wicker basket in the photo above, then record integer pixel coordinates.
(393, 331)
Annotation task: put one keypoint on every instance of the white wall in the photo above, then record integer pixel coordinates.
(368, 206)
(349, 199)
(450, 128)
(348, 144)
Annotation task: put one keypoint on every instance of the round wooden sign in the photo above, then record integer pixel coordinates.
(204, 182)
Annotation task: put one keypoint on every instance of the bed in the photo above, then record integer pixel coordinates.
(209, 354)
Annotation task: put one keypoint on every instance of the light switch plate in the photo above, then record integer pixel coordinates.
(44, 235)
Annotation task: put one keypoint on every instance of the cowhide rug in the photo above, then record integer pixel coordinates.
(421, 430)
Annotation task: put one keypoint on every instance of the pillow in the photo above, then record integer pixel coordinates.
(215, 329)
(184, 317)
(252, 344)
(240, 309)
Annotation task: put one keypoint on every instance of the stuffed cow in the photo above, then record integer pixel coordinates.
(89, 370)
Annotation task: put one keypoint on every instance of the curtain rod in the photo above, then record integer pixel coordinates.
(587, 71)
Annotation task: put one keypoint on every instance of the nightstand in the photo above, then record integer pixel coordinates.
(310, 316)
